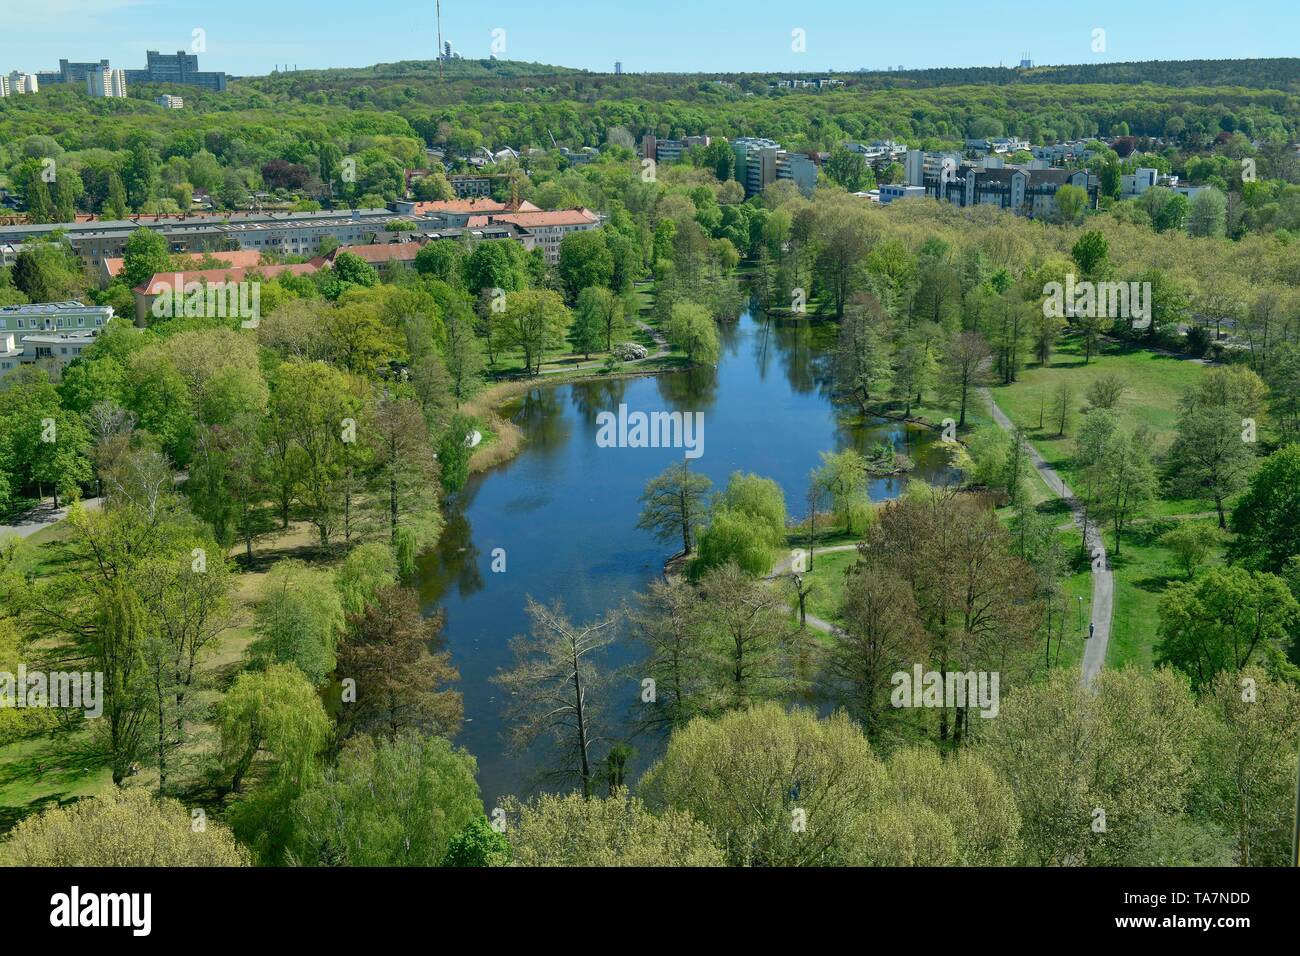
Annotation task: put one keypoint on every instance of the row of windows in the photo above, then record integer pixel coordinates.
(58, 323)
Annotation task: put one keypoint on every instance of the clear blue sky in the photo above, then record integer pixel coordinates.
(251, 36)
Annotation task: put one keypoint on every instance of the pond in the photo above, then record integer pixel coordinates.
(564, 510)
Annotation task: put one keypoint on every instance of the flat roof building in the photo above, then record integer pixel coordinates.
(179, 67)
(49, 334)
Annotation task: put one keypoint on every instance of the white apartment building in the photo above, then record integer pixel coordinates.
(104, 82)
(167, 101)
(1137, 182)
(56, 334)
(17, 83)
(53, 317)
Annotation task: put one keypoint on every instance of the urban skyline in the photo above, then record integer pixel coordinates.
(838, 36)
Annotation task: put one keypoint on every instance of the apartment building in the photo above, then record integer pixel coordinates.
(49, 334)
(17, 83)
(468, 187)
(544, 230)
(104, 82)
(1137, 182)
(457, 212)
(169, 102)
(890, 192)
(178, 68)
(53, 317)
(288, 233)
(761, 162)
(669, 150)
(1023, 190)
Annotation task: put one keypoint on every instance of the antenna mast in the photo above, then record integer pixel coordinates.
(439, 9)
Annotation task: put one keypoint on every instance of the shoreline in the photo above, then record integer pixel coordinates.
(509, 439)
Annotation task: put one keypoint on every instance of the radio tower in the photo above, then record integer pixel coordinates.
(438, 6)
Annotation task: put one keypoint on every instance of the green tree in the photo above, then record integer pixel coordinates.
(298, 620)
(849, 169)
(674, 504)
(1208, 213)
(1071, 201)
(599, 313)
(441, 260)
(387, 803)
(121, 828)
(618, 830)
(534, 321)
(145, 256)
(736, 538)
(1209, 459)
(1224, 620)
(477, 845)
(585, 261)
(1057, 744)
(1249, 762)
(1128, 480)
(454, 452)
(844, 476)
(1267, 516)
(692, 330)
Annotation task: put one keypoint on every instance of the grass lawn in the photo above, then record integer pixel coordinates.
(62, 766)
(1143, 571)
(50, 769)
(827, 578)
(1078, 598)
(1155, 383)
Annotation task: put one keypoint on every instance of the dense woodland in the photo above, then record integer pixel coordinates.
(328, 736)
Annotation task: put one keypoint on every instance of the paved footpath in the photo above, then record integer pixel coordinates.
(1103, 580)
(783, 567)
(40, 518)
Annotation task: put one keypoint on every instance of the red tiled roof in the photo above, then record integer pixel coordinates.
(477, 204)
(166, 281)
(239, 259)
(379, 252)
(560, 217)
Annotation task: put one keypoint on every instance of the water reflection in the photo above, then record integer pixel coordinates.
(564, 510)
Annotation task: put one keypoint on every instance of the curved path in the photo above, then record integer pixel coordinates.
(1103, 580)
(41, 517)
(783, 567)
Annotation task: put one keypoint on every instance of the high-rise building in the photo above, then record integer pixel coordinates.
(70, 72)
(103, 81)
(22, 83)
(618, 68)
(180, 67)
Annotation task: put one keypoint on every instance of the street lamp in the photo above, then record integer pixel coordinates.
(1080, 614)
